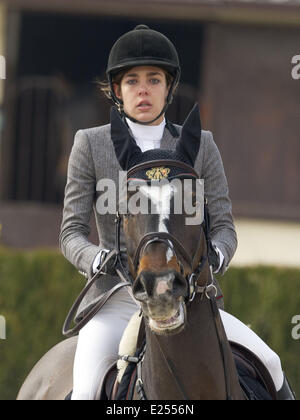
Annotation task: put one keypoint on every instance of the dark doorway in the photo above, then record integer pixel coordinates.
(55, 94)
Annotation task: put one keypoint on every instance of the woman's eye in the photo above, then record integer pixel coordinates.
(131, 81)
(154, 81)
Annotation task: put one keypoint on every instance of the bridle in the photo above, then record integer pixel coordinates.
(127, 279)
(170, 240)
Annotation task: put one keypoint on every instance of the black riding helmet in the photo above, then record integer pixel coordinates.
(143, 47)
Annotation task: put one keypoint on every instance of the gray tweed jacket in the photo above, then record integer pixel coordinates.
(93, 158)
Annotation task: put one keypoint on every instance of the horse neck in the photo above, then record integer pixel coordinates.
(189, 365)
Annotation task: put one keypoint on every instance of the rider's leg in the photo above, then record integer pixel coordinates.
(98, 343)
(238, 332)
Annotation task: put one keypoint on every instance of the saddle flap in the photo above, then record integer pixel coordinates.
(107, 385)
(255, 367)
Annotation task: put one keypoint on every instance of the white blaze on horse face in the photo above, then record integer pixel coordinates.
(169, 254)
(160, 197)
(163, 284)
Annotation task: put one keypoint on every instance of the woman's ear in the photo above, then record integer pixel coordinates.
(117, 90)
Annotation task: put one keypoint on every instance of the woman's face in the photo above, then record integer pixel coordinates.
(143, 90)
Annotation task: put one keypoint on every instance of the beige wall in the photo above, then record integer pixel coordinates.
(267, 242)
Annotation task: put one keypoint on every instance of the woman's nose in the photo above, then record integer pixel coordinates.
(142, 90)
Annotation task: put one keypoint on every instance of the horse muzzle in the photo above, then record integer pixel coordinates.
(162, 299)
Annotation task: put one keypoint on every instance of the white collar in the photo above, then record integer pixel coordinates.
(146, 132)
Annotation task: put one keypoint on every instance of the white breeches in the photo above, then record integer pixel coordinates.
(98, 344)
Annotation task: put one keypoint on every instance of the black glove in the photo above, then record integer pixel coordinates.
(109, 267)
(213, 257)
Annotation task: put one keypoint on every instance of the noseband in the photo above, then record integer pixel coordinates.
(166, 238)
(185, 171)
(178, 249)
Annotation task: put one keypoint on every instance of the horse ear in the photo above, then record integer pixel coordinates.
(126, 149)
(189, 141)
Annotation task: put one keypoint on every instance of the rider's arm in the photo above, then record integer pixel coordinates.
(209, 164)
(78, 205)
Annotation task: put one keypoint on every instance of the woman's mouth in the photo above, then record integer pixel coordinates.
(144, 106)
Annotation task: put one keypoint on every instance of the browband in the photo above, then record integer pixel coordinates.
(165, 162)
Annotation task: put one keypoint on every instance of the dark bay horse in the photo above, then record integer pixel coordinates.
(187, 354)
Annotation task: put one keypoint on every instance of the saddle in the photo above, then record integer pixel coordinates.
(119, 381)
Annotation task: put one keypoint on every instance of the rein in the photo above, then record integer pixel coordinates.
(121, 272)
(209, 291)
(125, 277)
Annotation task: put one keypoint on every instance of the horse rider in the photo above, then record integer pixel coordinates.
(143, 72)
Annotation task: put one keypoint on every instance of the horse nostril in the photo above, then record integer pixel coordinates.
(143, 287)
(179, 285)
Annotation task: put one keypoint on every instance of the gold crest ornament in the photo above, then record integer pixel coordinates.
(158, 173)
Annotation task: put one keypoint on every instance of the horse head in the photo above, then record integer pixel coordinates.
(164, 235)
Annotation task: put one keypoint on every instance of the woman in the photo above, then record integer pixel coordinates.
(143, 72)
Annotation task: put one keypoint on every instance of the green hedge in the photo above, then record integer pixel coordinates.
(37, 288)
(36, 291)
(267, 298)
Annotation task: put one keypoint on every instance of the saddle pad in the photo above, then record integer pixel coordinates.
(128, 343)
